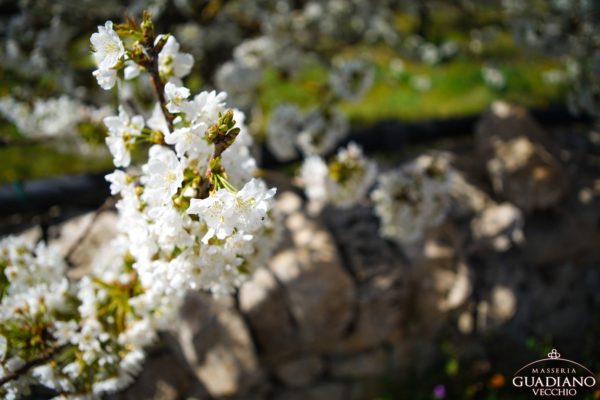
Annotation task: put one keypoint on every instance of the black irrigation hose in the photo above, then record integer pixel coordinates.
(38, 196)
(90, 191)
(394, 135)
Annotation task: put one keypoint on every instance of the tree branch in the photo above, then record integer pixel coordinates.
(108, 203)
(153, 70)
(39, 360)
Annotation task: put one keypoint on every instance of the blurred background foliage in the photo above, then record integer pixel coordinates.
(405, 86)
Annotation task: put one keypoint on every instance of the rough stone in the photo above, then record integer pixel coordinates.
(318, 290)
(365, 253)
(382, 275)
(499, 226)
(441, 283)
(101, 229)
(519, 163)
(353, 366)
(263, 301)
(288, 202)
(300, 372)
(323, 391)
(217, 345)
(504, 303)
(380, 309)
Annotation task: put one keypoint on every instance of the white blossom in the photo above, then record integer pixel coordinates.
(343, 181)
(52, 117)
(123, 130)
(108, 49)
(176, 97)
(107, 46)
(106, 78)
(350, 80)
(225, 211)
(239, 81)
(163, 175)
(284, 126)
(189, 141)
(173, 64)
(493, 77)
(132, 70)
(413, 198)
(321, 131)
(256, 52)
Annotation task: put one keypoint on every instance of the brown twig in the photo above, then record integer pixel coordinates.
(108, 204)
(151, 66)
(39, 360)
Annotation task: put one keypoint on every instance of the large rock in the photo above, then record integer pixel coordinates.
(80, 239)
(382, 275)
(499, 226)
(303, 300)
(264, 302)
(318, 291)
(380, 311)
(442, 283)
(517, 154)
(323, 391)
(217, 345)
(355, 366)
(364, 251)
(300, 372)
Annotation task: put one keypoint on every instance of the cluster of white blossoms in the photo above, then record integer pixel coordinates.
(430, 53)
(241, 76)
(108, 52)
(316, 132)
(53, 118)
(117, 318)
(79, 338)
(111, 56)
(191, 217)
(319, 130)
(493, 77)
(179, 238)
(413, 198)
(343, 181)
(292, 34)
(568, 29)
(322, 130)
(193, 214)
(351, 79)
(33, 290)
(286, 121)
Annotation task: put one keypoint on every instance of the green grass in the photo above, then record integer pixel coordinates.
(37, 161)
(457, 88)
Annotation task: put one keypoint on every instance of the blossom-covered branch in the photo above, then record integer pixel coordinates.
(192, 216)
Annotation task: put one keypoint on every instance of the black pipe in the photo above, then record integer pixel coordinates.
(38, 196)
(89, 191)
(394, 135)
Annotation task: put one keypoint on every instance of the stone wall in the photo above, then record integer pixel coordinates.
(340, 313)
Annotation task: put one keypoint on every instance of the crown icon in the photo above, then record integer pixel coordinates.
(554, 354)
